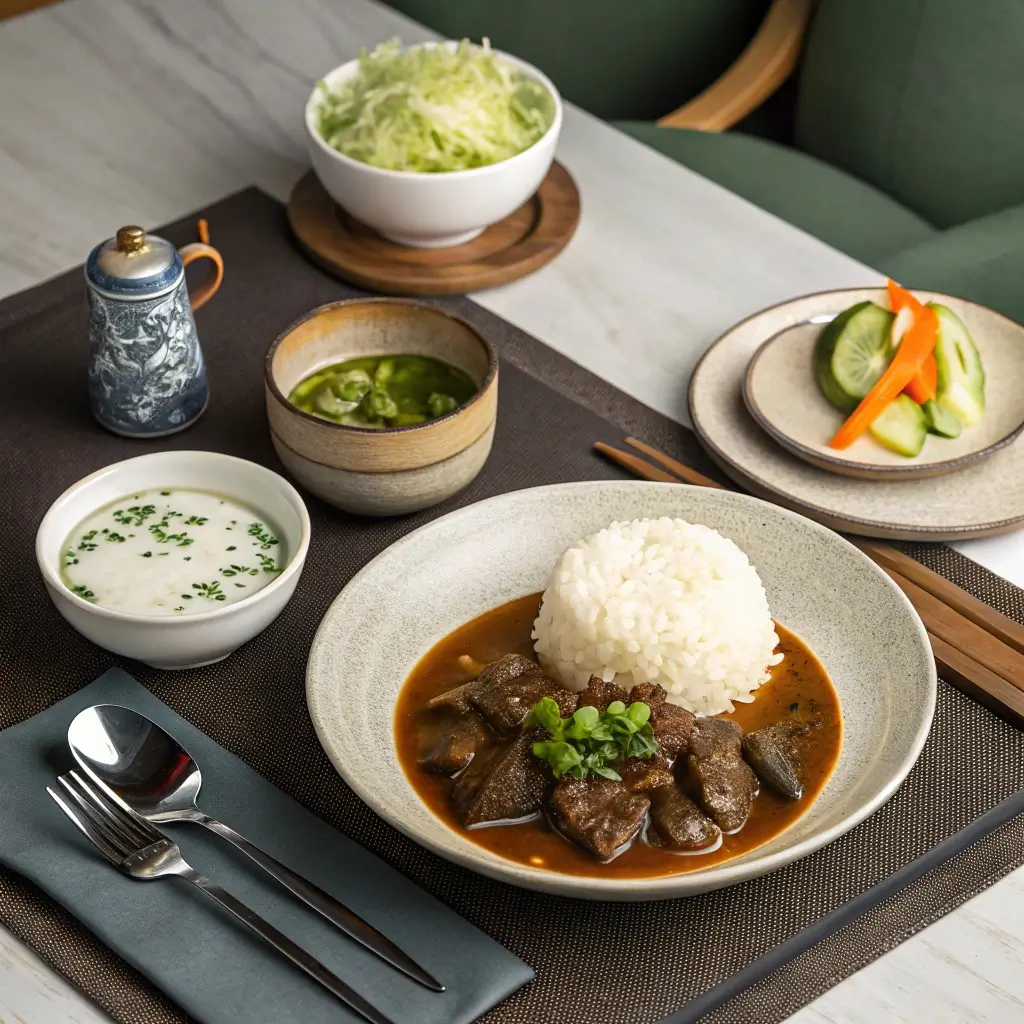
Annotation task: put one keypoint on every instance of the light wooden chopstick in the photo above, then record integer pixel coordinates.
(976, 648)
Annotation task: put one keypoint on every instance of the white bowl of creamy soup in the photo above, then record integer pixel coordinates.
(176, 558)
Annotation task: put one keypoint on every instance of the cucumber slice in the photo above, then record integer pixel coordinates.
(961, 378)
(901, 426)
(852, 352)
(940, 421)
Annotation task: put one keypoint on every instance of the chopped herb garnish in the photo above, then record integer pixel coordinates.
(136, 515)
(239, 570)
(232, 548)
(165, 493)
(187, 558)
(211, 591)
(147, 554)
(263, 536)
(240, 585)
(267, 564)
(83, 592)
(69, 558)
(159, 530)
(180, 608)
(114, 538)
(87, 543)
(196, 521)
(591, 741)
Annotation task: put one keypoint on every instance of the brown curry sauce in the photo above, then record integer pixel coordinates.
(798, 679)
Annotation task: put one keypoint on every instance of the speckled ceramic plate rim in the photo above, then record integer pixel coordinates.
(823, 460)
(835, 517)
(456, 848)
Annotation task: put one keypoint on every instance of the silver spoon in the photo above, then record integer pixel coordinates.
(154, 776)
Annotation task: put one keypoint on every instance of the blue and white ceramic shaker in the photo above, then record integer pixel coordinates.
(147, 376)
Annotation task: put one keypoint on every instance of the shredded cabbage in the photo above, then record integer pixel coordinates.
(434, 109)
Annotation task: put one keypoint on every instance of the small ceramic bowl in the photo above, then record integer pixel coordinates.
(431, 210)
(191, 640)
(781, 393)
(395, 470)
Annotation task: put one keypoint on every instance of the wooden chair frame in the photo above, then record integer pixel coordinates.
(769, 59)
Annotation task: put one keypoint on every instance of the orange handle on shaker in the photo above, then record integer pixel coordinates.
(203, 250)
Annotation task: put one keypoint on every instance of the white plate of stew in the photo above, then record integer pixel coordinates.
(424, 616)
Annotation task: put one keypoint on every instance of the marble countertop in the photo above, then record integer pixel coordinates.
(121, 112)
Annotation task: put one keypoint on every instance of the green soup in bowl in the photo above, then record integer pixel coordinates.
(383, 391)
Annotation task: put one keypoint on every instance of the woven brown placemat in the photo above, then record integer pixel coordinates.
(596, 963)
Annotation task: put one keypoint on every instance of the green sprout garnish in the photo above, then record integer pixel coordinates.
(591, 741)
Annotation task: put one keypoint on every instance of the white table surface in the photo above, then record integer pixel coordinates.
(114, 112)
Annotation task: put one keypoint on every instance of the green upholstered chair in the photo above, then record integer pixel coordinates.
(615, 58)
(909, 138)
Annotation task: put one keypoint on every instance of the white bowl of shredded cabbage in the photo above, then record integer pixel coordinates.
(430, 144)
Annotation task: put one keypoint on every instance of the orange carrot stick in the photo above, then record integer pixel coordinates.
(900, 297)
(917, 344)
(924, 385)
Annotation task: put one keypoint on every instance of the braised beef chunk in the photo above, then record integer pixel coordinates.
(508, 784)
(642, 774)
(598, 814)
(453, 743)
(647, 693)
(770, 752)
(505, 704)
(506, 668)
(678, 823)
(496, 673)
(600, 694)
(457, 698)
(566, 700)
(721, 780)
(715, 735)
(672, 726)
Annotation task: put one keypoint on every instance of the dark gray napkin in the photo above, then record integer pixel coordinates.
(214, 968)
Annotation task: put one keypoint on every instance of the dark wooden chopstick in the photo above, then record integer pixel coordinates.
(948, 624)
(635, 465)
(681, 470)
(889, 558)
(967, 653)
(1011, 633)
(993, 691)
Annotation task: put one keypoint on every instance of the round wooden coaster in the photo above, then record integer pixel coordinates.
(520, 244)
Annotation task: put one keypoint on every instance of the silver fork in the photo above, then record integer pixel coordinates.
(135, 848)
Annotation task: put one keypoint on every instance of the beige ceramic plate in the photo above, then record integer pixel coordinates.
(983, 498)
(782, 395)
(446, 573)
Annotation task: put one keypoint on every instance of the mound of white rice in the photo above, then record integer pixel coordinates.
(660, 601)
